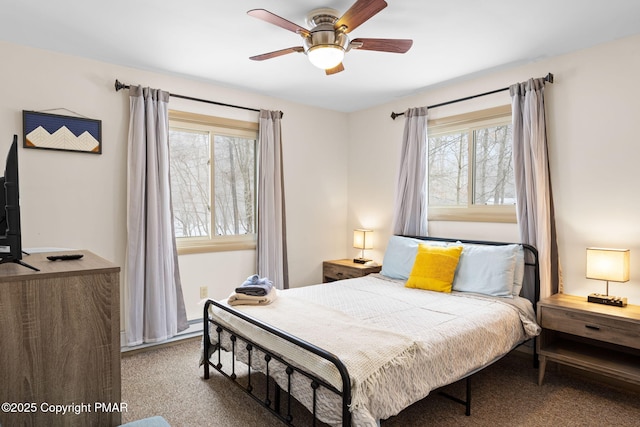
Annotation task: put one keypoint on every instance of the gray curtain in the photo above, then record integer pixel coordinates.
(410, 212)
(154, 303)
(534, 205)
(272, 238)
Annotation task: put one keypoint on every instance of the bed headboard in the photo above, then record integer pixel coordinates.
(531, 283)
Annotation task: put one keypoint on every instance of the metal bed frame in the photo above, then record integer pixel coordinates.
(271, 396)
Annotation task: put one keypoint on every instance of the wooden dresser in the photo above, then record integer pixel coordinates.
(60, 342)
(594, 337)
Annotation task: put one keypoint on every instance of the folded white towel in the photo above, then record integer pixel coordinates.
(244, 299)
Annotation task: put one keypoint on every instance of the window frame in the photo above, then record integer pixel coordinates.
(241, 128)
(471, 212)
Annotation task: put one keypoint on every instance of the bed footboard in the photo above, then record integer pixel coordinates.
(271, 396)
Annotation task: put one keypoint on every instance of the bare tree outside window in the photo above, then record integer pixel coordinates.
(494, 181)
(234, 168)
(190, 182)
(471, 165)
(448, 169)
(213, 183)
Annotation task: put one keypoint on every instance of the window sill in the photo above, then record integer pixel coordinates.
(199, 247)
(502, 214)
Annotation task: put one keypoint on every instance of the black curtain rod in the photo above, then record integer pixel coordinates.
(547, 78)
(120, 85)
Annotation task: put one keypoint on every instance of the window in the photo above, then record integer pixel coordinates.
(213, 182)
(471, 167)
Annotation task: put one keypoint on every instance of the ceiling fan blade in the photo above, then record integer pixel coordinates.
(335, 69)
(277, 53)
(383, 45)
(274, 19)
(360, 12)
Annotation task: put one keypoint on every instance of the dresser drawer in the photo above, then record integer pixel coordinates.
(591, 325)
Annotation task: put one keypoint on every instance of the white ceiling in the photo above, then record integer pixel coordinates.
(211, 40)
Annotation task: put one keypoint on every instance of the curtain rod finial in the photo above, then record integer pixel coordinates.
(119, 85)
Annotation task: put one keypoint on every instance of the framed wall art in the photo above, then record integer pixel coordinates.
(66, 133)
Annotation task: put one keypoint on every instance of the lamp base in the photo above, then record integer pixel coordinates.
(361, 260)
(607, 300)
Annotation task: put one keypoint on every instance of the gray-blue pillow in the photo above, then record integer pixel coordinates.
(401, 254)
(488, 270)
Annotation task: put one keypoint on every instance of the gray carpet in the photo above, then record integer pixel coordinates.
(168, 382)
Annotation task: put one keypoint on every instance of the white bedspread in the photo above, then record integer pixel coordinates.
(397, 343)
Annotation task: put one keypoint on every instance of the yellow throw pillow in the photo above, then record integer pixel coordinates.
(434, 268)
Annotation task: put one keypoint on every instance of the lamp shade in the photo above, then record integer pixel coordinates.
(608, 264)
(363, 239)
(326, 56)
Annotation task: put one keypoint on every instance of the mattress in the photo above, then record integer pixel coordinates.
(397, 343)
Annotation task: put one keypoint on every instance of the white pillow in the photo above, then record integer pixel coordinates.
(486, 270)
(400, 256)
(518, 276)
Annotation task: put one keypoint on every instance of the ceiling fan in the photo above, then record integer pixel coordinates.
(326, 42)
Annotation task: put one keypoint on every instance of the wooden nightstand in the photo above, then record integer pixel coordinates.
(594, 337)
(345, 269)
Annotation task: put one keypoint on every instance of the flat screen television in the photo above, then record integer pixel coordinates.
(10, 236)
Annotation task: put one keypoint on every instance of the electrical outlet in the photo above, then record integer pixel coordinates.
(204, 292)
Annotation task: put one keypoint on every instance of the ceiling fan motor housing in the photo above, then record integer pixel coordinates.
(323, 32)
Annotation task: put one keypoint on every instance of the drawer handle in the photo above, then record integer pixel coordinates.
(595, 328)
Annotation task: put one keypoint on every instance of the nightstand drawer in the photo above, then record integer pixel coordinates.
(341, 269)
(590, 325)
(337, 272)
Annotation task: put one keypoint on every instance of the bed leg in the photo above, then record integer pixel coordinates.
(468, 402)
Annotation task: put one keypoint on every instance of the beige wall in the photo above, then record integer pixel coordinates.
(77, 200)
(593, 110)
(339, 175)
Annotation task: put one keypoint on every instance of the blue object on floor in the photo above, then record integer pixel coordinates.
(157, 421)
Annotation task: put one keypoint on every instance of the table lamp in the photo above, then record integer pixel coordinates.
(362, 239)
(611, 265)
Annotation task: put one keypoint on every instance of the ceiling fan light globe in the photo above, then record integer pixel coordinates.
(325, 56)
